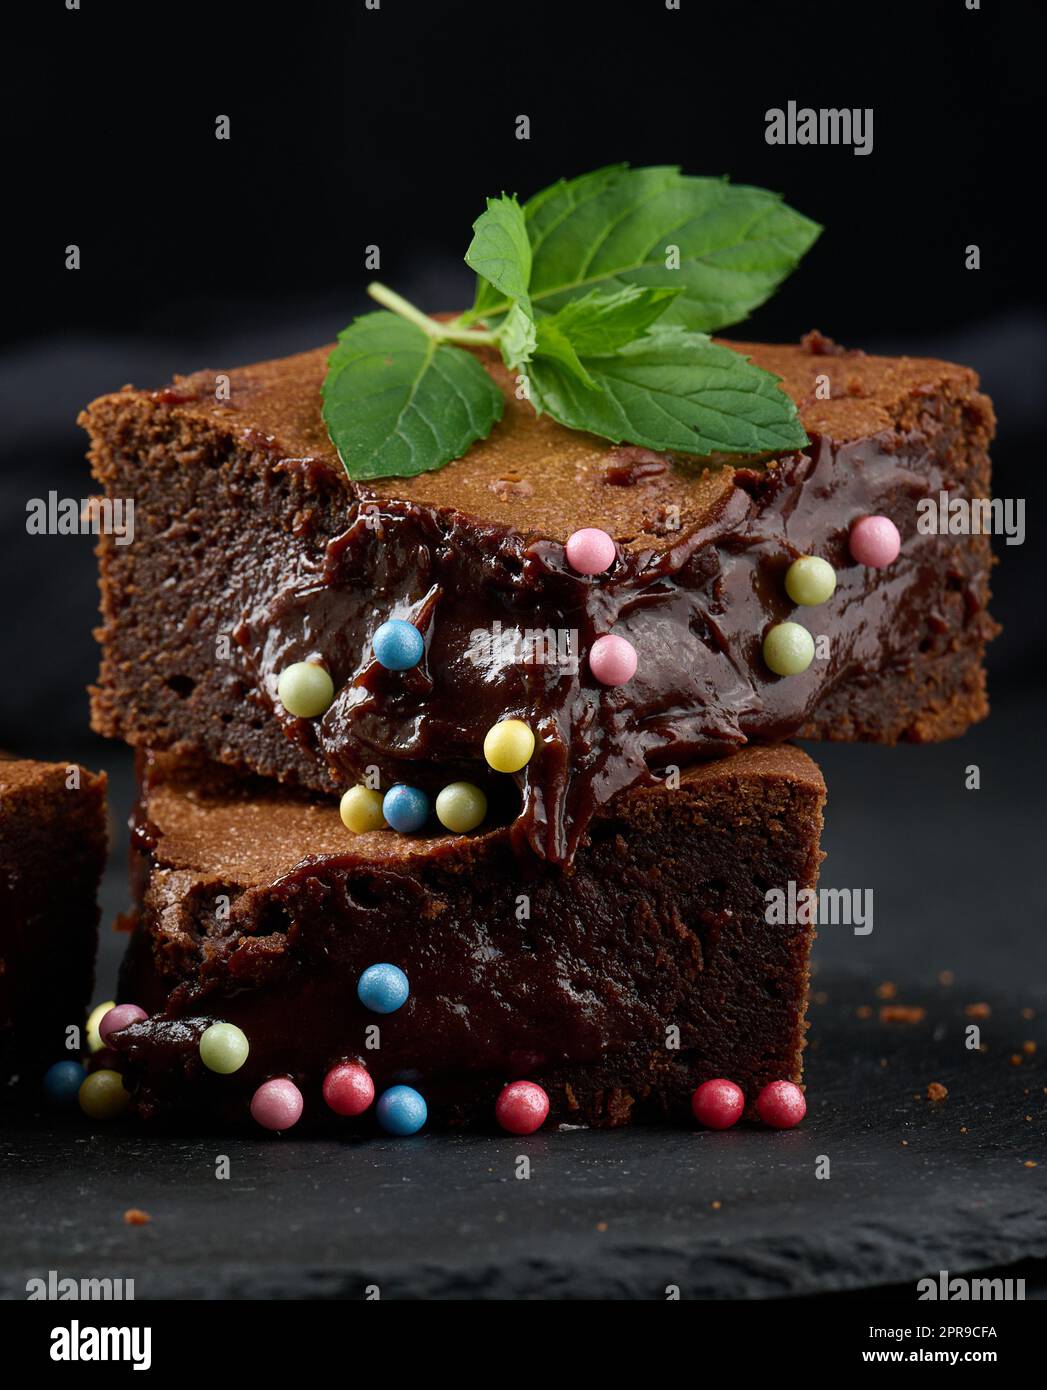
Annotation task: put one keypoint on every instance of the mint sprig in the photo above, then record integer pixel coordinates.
(600, 293)
(598, 323)
(619, 226)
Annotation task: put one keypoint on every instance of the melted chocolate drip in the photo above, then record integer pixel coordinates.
(696, 612)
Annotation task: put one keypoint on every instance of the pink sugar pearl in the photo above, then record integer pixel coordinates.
(874, 541)
(590, 550)
(348, 1088)
(120, 1017)
(277, 1104)
(781, 1105)
(718, 1104)
(522, 1107)
(612, 660)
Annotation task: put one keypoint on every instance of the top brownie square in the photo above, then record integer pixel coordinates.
(252, 550)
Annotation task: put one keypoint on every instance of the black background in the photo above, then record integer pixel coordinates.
(352, 127)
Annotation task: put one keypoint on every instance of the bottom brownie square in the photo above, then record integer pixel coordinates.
(618, 985)
(53, 839)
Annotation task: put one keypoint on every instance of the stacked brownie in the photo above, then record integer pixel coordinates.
(53, 839)
(602, 931)
(659, 923)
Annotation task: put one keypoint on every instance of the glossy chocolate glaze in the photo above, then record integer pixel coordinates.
(696, 610)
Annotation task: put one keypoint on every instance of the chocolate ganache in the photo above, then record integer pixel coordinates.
(507, 624)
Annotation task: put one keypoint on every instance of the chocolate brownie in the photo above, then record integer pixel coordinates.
(53, 838)
(618, 984)
(253, 551)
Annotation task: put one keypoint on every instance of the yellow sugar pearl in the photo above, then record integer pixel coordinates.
(361, 809)
(509, 745)
(94, 1018)
(810, 580)
(102, 1095)
(788, 649)
(461, 807)
(305, 689)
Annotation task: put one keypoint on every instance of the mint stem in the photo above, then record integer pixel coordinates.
(442, 332)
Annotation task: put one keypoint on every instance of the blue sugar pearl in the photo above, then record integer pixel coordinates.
(383, 989)
(401, 1110)
(405, 808)
(398, 645)
(62, 1082)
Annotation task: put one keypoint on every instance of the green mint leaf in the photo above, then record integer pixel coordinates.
(672, 390)
(488, 301)
(551, 342)
(617, 226)
(396, 402)
(500, 251)
(598, 324)
(517, 338)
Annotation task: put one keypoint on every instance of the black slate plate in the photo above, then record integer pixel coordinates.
(914, 1187)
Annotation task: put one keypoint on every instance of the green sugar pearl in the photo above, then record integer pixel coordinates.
(788, 649)
(461, 807)
(810, 580)
(305, 689)
(224, 1048)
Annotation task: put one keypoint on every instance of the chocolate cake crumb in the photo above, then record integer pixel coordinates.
(902, 1013)
(505, 488)
(819, 344)
(628, 465)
